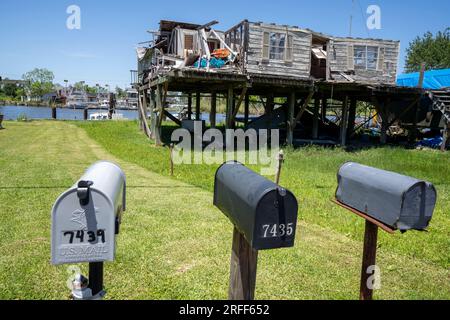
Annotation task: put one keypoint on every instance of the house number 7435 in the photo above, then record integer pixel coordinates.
(278, 230)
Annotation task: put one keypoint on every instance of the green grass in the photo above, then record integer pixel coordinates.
(311, 174)
(175, 245)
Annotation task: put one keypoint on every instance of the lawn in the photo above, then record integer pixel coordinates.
(175, 245)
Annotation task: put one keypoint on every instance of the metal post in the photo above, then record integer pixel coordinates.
(96, 277)
(369, 259)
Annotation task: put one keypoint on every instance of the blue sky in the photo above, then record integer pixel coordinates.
(34, 34)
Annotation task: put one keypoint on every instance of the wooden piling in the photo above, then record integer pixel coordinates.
(159, 109)
(445, 137)
(197, 106)
(213, 113)
(172, 146)
(315, 130)
(369, 259)
(290, 122)
(229, 112)
(344, 122)
(54, 115)
(351, 117)
(190, 106)
(85, 114)
(243, 268)
(247, 109)
(324, 109)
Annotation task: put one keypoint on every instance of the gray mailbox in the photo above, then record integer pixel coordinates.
(264, 213)
(398, 201)
(86, 218)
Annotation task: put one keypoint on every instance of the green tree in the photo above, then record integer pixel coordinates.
(433, 50)
(120, 93)
(39, 82)
(10, 90)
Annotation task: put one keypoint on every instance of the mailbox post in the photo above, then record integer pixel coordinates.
(386, 200)
(264, 216)
(86, 219)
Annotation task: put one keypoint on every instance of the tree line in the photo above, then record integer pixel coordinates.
(39, 82)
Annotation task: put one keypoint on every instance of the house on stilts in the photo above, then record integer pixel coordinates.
(310, 72)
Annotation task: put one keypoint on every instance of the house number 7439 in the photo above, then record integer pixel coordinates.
(278, 230)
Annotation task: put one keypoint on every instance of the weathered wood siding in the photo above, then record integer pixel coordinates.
(300, 65)
(341, 59)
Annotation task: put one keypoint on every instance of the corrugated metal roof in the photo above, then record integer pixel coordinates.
(434, 79)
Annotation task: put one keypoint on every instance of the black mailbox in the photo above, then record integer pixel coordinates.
(263, 212)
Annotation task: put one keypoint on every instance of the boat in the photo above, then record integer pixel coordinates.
(77, 99)
(132, 98)
(102, 116)
(104, 104)
(99, 116)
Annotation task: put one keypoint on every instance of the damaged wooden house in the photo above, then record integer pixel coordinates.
(311, 72)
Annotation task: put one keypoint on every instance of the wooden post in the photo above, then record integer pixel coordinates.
(269, 108)
(324, 109)
(143, 112)
(290, 122)
(190, 106)
(369, 259)
(197, 106)
(445, 136)
(351, 117)
(247, 109)
(413, 135)
(85, 114)
(140, 98)
(54, 113)
(152, 114)
(279, 166)
(159, 108)
(213, 113)
(344, 122)
(112, 105)
(229, 112)
(243, 267)
(172, 146)
(315, 130)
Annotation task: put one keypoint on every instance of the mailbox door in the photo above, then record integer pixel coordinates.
(276, 221)
(83, 233)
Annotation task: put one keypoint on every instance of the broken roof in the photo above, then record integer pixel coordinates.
(167, 25)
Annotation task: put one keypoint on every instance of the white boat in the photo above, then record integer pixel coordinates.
(99, 116)
(77, 99)
(104, 104)
(102, 116)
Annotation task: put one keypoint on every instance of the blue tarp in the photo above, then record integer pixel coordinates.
(434, 79)
(214, 63)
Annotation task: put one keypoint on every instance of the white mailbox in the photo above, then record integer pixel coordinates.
(86, 218)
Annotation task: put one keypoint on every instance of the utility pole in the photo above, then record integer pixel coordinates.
(351, 18)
